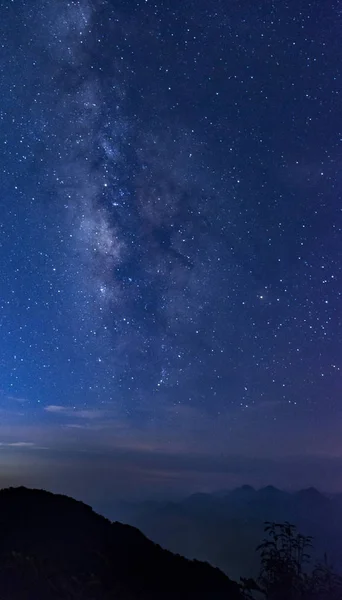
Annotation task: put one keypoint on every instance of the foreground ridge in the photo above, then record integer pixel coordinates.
(52, 546)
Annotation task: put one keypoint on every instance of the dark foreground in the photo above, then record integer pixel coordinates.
(53, 547)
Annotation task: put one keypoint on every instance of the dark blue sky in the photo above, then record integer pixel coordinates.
(170, 283)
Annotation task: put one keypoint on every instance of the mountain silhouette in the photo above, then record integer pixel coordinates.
(54, 547)
(225, 527)
(313, 497)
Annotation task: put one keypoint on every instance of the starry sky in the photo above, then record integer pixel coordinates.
(171, 250)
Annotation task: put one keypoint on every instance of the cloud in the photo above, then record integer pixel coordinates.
(92, 476)
(10, 398)
(20, 400)
(18, 444)
(54, 409)
(69, 411)
(25, 445)
(183, 429)
(127, 460)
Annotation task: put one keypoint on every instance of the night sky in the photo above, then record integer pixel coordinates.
(171, 248)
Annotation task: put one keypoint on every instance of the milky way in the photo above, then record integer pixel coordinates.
(171, 226)
(136, 208)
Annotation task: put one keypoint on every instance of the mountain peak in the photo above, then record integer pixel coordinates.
(311, 493)
(270, 489)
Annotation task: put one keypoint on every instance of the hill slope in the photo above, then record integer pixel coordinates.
(224, 528)
(52, 546)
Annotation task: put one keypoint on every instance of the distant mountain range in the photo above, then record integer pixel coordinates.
(55, 548)
(225, 527)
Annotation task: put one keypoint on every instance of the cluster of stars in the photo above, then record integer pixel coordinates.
(171, 215)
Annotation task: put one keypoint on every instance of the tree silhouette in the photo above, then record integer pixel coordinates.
(325, 584)
(286, 571)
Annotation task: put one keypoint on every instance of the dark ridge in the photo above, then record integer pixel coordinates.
(312, 496)
(310, 492)
(271, 490)
(52, 546)
(247, 488)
